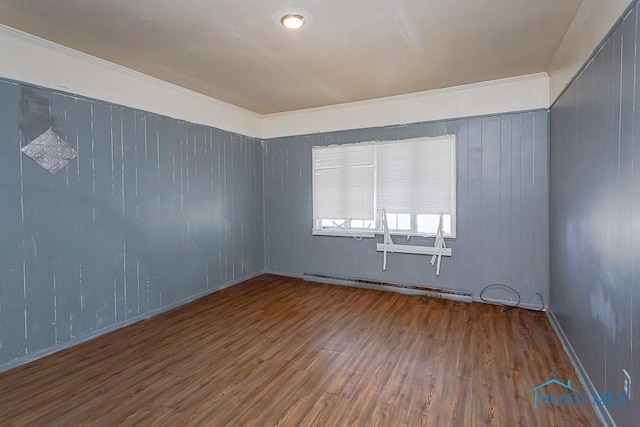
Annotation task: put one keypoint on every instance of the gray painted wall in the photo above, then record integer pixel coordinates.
(595, 215)
(502, 234)
(153, 212)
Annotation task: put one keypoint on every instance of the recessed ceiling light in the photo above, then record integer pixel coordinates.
(292, 21)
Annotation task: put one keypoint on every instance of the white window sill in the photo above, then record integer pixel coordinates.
(371, 234)
(341, 233)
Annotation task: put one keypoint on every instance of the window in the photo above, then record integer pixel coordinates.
(413, 180)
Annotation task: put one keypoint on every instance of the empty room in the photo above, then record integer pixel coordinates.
(305, 213)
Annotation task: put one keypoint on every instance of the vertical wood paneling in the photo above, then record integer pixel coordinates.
(593, 223)
(116, 243)
(623, 212)
(540, 224)
(38, 316)
(128, 169)
(462, 191)
(527, 224)
(505, 199)
(154, 211)
(474, 216)
(634, 199)
(101, 197)
(489, 181)
(516, 198)
(490, 246)
(12, 336)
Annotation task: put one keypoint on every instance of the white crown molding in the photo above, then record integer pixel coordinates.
(31, 59)
(37, 61)
(594, 20)
(522, 93)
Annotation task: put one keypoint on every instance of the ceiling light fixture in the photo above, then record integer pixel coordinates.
(293, 21)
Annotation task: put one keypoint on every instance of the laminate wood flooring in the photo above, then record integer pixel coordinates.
(277, 351)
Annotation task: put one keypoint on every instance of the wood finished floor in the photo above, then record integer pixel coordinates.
(280, 351)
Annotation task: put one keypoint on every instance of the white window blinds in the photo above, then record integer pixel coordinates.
(343, 181)
(416, 176)
(413, 179)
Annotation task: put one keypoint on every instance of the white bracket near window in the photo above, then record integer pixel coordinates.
(437, 251)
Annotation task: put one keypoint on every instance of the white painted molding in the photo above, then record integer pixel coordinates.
(529, 92)
(33, 60)
(594, 20)
(30, 59)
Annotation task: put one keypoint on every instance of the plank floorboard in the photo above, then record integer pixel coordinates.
(277, 351)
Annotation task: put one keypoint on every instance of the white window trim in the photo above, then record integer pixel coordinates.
(370, 234)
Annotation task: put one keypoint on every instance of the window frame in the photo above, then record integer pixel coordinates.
(320, 230)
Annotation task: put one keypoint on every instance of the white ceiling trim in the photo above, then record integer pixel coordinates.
(37, 61)
(521, 93)
(594, 20)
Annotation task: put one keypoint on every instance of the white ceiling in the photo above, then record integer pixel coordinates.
(351, 50)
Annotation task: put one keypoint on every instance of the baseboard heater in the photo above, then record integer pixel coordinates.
(452, 294)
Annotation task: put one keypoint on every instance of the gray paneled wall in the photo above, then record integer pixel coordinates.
(595, 215)
(153, 212)
(502, 193)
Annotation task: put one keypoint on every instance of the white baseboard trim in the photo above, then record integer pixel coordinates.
(99, 332)
(601, 411)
